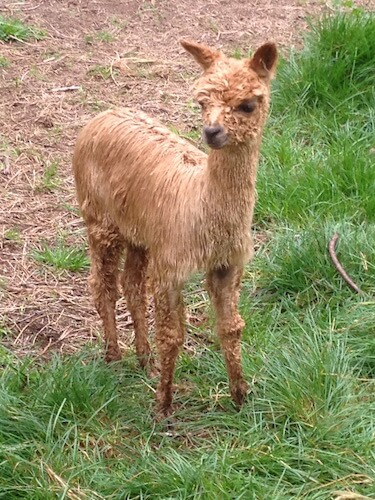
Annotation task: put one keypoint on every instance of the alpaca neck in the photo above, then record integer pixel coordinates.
(232, 171)
(229, 203)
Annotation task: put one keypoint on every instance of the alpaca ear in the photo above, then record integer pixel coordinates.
(204, 55)
(264, 61)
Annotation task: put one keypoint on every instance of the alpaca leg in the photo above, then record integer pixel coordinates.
(169, 338)
(223, 286)
(106, 246)
(134, 285)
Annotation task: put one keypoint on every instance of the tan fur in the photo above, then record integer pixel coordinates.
(175, 210)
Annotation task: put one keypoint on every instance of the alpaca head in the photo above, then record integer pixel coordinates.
(233, 94)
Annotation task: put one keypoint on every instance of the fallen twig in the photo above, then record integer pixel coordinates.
(65, 89)
(338, 266)
(111, 71)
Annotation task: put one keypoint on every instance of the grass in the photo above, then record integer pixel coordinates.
(322, 129)
(13, 234)
(50, 179)
(4, 62)
(62, 256)
(76, 428)
(12, 29)
(103, 72)
(100, 36)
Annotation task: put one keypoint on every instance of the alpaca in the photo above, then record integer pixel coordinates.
(174, 210)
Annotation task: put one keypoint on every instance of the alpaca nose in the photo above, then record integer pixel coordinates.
(215, 136)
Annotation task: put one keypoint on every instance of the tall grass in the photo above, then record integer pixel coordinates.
(335, 70)
(76, 428)
(318, 153)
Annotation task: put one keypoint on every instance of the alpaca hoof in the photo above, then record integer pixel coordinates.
(164, 414)
(113, 356)
(239, 393)
(164, 406)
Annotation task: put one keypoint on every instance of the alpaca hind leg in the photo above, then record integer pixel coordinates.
(169, 338)
(223, 286)
(106, 246)
(134, 280)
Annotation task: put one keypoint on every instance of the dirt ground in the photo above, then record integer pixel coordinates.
(112, 53)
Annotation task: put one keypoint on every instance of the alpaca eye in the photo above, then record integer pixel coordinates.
(247, 106)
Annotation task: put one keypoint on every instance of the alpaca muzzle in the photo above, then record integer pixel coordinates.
(215, 136)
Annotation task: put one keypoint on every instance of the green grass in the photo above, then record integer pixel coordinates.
(12, 29)
(77, 428)
(50, 179)
(103, 72)
(62, 256)
(4, 62)
(100, 36)
(317, 162)
(13, 234)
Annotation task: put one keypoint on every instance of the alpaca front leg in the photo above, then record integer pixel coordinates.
(223, 285)
(169, 338)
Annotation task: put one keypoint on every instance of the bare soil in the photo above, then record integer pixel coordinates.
(110, 53)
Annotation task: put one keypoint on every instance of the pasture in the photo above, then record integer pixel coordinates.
(72, 426)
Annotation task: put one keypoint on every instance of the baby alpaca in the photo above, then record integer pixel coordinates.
(175, 210)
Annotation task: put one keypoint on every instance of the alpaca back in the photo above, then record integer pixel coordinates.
(147, 180)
